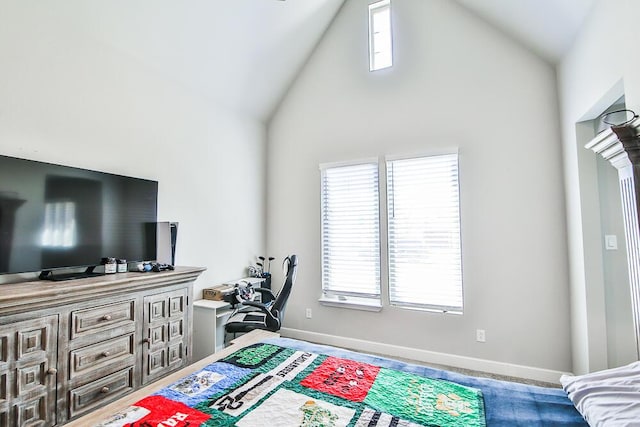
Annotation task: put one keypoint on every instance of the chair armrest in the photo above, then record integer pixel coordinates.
(271, 319)
(258, 305)
(263, 291)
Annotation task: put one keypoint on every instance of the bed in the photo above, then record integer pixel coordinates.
(263, 379)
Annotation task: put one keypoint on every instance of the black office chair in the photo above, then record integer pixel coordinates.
(262, 316)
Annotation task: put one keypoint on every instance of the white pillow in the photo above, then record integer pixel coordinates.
(607, 398)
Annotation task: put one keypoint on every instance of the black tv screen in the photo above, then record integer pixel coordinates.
(54, 216)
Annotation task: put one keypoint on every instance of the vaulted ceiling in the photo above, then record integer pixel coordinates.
(548, 27)
(241, 53)
(245, 53)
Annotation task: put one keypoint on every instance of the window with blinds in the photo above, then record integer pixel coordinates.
(380, 36)
(425, 267)
(350, 230)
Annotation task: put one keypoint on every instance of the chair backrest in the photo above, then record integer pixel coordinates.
(278, 306)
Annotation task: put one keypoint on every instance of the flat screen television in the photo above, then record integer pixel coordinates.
(59, 217)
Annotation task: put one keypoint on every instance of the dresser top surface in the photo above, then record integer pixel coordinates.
(42, 293)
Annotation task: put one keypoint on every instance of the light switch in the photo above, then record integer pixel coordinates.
(611, 242)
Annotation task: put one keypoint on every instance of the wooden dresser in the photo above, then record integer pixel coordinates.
(69, 347)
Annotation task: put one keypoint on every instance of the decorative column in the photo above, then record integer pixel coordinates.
(620, 145)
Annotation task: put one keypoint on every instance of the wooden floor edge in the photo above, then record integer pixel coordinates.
(102, 414)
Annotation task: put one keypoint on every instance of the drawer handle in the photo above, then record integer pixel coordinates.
(146, 340)
(106, 354)
(104, 390)
(106, 317)
(52, 371)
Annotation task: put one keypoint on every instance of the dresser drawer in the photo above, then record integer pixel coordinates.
(87, 397)
(102, 358)
(102, 318)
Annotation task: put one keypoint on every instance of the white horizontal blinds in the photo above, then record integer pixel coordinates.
(425, 268)
(380, 37)
(350, 230)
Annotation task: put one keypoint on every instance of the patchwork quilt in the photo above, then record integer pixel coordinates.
(267, 384)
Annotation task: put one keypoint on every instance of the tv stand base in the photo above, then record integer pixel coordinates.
(127, 327)
(48, 275)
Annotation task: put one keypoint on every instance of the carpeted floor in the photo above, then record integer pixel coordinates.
(469, 371)
(475, 373)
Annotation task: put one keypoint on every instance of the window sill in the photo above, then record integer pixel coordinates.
(427, 309)
(352, 303)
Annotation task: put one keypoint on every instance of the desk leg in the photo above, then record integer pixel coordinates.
(204, 335)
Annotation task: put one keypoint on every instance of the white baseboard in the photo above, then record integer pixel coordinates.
(425, 356)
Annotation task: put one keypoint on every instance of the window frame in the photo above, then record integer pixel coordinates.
(384, 300)
(353, 300)
(438, 308)
(375, 9)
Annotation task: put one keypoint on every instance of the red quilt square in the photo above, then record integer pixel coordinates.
(342, 377)
(166, 412)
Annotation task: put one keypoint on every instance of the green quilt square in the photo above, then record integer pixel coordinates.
(426, 401)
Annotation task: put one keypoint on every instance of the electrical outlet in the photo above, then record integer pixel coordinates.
(480, 335)
(308, 313)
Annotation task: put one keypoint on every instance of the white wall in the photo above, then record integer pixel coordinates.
(456, 82)
(599, 69)
(621, 347)
(69, 99)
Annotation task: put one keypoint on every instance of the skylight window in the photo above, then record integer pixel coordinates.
(380, 44)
